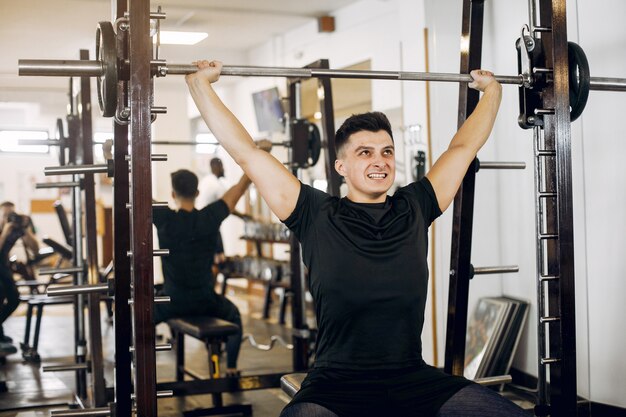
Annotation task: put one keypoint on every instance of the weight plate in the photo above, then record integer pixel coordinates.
(315, 144)
(106, 53)
(60, 136)
(579, 79)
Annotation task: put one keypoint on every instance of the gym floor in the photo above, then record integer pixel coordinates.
(33, 393)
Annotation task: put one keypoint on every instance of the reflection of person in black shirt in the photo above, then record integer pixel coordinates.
(190, 235)
(13, 227)
(367, 260)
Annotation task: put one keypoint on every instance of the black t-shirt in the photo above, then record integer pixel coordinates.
(368, 275)
(191, 239)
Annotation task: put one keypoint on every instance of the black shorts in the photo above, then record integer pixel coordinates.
(416, 391)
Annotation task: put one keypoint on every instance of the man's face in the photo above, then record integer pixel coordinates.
(218, 169)
(367, 162)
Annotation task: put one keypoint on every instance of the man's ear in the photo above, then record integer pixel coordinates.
(174, 195)
(340, 167)
(196, 194)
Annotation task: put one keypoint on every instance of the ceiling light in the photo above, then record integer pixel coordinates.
(181, 38)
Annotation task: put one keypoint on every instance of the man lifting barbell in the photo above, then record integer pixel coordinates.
(366, 255)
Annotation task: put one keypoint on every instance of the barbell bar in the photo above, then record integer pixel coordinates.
(191, 143)
(84, 68)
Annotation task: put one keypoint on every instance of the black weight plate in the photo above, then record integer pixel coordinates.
(315, 144)
(579, 79)
(106, 53)
(60, 136)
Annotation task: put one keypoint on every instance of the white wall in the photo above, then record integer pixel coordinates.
(599, 187)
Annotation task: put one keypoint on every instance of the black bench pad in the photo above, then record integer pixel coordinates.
(291, 383)
(203, 327)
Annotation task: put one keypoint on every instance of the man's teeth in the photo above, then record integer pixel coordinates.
(376, 176)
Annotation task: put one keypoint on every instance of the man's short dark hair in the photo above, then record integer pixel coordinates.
(216, 162)
(371, 121)
(185, 183)
(7, 204)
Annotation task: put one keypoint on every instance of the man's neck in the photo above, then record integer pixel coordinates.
(186, 205)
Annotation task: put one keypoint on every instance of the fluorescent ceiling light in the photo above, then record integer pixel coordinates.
(181, 38)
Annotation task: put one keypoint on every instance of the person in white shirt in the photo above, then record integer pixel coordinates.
(213, 186)
(210, 189)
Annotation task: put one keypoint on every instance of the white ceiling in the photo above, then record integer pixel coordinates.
(57, 29)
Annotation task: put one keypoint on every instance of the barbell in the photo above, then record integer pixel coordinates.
(107, 68)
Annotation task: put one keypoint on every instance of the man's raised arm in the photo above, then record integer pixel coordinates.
(278, 187)
(448, 171)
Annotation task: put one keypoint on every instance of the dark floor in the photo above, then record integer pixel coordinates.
(33, 393)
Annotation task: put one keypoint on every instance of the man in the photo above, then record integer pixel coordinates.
(366, 256)
(190, 236)
(13, 227)
(210, 189)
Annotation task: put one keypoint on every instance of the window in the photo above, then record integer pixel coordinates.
(207, 144)
(17, 141)
(101, 137)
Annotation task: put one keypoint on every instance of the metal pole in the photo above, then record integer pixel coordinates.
(70, 68)
(502, 165)
(76, 289)
(77, 169)
(80, 348)
(484, 270)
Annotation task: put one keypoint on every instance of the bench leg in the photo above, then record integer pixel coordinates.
(37, 327)
(284, 297)
(213, 348)
(268, 300)
(179, 340)
(29, 316)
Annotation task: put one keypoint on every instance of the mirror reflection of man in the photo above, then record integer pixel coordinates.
(13, 227)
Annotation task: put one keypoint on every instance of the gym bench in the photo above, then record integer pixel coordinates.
(291, 383)
(212, 331)
(37, 301)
